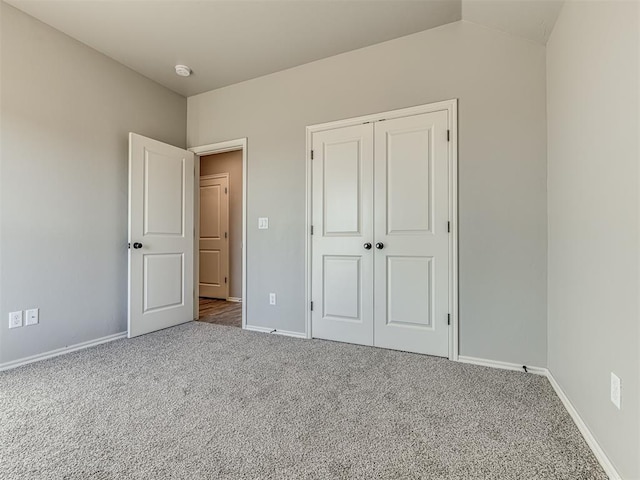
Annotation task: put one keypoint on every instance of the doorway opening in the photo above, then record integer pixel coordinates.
(220, 282)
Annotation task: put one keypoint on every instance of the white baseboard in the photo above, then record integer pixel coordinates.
(286, 333)
(602, 458)
(234, 299)
(503, 365)
(61, 351)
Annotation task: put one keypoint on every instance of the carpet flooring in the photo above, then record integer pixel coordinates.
(203, 401)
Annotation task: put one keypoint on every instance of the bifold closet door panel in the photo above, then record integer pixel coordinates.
(342, 212)
(411, 218)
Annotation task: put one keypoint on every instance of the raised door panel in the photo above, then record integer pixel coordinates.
(409, 181)
(342, 293)
(210, 203)
(163, 281)
(211, 268)
(342, 174)
(409, 291)
(163, 194)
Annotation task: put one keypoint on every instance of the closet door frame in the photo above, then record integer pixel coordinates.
(451, 107)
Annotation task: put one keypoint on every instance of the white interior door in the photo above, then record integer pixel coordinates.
(342, 269)
(214, 236)
(161, 190)
(411, 234)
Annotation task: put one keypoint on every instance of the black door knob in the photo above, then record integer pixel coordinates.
(137, 245)
(367, 246)
(379, 245)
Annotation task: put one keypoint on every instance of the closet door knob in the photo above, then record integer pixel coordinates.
(137, 245)
(379, 245)
(367, 246)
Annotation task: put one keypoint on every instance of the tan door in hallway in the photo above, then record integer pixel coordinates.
(214, 236)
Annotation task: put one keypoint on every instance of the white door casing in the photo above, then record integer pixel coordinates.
(214, 236)
(161, 235)
(411, 225)
(343, 223)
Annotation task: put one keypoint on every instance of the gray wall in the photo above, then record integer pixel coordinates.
(231, 163)
(66, 111)
(500, 82)
(593, 123)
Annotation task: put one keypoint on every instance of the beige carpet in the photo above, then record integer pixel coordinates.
(202, 401)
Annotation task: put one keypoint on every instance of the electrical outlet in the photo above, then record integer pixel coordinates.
(616, 390)
(272, 299)
(263, 223)
(31, 317)
(15, 319)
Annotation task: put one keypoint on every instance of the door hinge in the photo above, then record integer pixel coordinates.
(448, 319)
(449, 227)
(311, 154)
(225, 190)
(225, 279)
(312, 306)
(311, 229)
(225, 234)
(448, 135)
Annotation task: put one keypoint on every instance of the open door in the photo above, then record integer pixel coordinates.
(161, 236)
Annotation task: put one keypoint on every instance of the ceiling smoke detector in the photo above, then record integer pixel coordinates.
(183, 70)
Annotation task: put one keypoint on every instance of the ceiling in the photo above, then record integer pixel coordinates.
(531, 19)
(229, 41)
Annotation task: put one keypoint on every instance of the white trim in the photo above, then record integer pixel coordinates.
(374, 117)
(61, 351)
(502, 365)
(234, 299)
(308, 216)
(602, 458)
(600, 455)
(451, 106)
(213, 176)
(221, 147)
(285, 333)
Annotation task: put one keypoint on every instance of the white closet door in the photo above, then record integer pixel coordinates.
(342, 278)
(411, 215)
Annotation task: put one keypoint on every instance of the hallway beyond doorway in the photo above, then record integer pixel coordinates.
(220, 312)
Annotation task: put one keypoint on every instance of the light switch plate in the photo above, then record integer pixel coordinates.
(31, 316)
(272, 299)
(616, 390)
(263, 223)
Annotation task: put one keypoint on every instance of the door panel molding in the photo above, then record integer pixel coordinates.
(448, 106)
